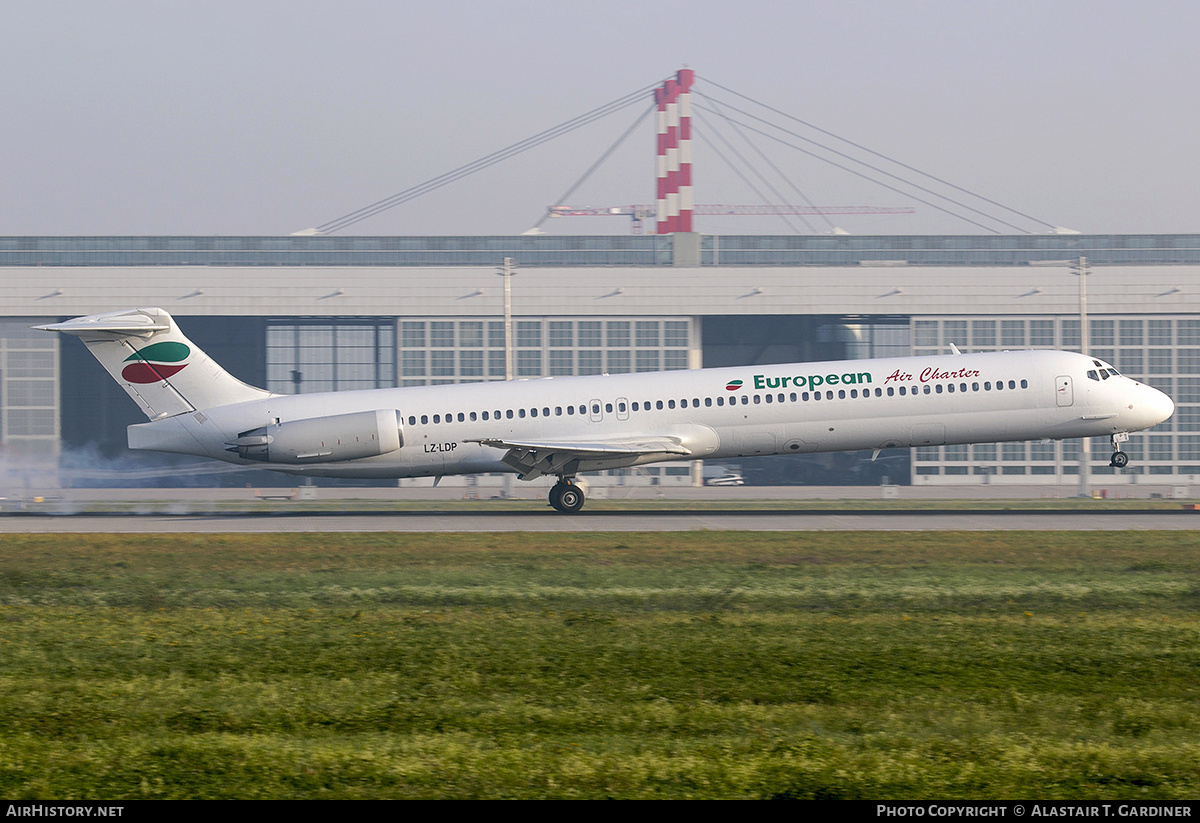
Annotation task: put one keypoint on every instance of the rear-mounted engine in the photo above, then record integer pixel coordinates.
(322, 439)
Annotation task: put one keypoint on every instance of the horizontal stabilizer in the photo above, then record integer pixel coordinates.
(121, 324)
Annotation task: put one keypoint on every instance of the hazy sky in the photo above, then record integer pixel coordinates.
(269, 117)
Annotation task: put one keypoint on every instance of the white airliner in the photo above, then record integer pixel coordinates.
(564, 426)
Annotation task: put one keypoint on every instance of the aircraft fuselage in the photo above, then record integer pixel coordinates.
(711, 413)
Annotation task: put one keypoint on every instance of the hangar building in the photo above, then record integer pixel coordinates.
(319, 313)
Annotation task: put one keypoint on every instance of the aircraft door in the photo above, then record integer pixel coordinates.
(1064, 393)
(622, 408)
(595, 411)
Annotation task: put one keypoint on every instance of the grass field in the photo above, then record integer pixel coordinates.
(730, 665)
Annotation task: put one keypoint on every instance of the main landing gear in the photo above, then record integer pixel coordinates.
(566, 497)
(1119, 459)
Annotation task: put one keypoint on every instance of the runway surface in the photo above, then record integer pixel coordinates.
(646, 520)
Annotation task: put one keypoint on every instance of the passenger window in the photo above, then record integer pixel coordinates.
(509, 414)
(412, 421)
(892, 391)
(608, 407)
(902, 391)
(720, 401)
(708, 401)
(658, 404)
(745, 400)
(770, 399)
(437, 418)
(472, 417)
(938, 388)
(1024, 384)
(841, 394)
(927, 390)
(670, 404)
(462, 417)
(521, 413)
(424, 418)
(683, 403)
(879, 392)
(558, 411)
(621, 407)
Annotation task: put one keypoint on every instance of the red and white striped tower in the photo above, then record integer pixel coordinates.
(674, 101)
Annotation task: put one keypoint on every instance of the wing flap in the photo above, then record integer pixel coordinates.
(533, 458)
(631, 446)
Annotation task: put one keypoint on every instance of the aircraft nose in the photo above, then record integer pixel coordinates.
(1166, 406)
(1156, 405)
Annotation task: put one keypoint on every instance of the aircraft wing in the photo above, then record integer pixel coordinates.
(534, 458)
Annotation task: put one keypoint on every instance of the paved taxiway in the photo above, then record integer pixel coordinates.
(549, 521)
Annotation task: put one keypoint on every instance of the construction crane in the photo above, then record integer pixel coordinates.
(639, 214)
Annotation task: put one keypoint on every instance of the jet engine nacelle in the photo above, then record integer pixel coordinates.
(322, 439)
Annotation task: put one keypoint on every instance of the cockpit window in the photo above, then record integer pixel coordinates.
(1092, 375)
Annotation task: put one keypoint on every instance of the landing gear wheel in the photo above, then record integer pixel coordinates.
(1119, 460)
(566, 497)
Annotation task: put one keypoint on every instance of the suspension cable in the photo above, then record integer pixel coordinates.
(481, 163)
(884, 157)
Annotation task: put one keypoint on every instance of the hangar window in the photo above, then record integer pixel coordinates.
(336, 354)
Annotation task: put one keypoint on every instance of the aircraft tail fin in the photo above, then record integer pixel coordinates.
(164, 372)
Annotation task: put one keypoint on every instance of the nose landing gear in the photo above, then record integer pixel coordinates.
(1119, 459)
(566, 497)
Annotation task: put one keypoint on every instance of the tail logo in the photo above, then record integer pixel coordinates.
(156, 362)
